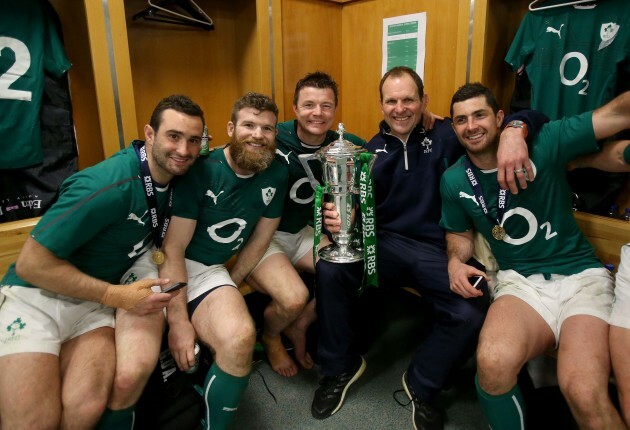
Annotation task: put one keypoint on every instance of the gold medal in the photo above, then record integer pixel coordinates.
(498, 232)
(158, 257)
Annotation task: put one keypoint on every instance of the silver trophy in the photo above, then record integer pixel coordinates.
(340, 173)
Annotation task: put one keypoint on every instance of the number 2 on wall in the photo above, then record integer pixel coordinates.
(16, 71)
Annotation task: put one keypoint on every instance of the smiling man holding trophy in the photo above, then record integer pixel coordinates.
(411, 252)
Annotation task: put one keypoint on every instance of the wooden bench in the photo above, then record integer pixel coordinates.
(12, 236)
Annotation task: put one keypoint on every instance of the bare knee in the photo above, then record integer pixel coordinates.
(586, 400)
(497, 368)
(238, 342)
(84, 413)
(294, 305)
(131, 378)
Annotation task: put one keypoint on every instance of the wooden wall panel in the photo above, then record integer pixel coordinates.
(362, 25)
(496, 32)
(212, 67)
(112, 74)
(85, 110)
(311, 41)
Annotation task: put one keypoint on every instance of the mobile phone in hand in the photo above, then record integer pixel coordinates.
(176, 286)
(475, 281)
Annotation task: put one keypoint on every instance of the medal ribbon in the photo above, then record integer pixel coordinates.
(152, 203)
(366, 194)
(317, 221)
(478, 191)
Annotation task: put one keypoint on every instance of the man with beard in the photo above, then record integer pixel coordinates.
(230, 202)
(58, 357)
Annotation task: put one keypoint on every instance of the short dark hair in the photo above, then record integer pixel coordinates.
(257, 101)
(179, 103)
(472, 90)
(316, 80)
(398, 71)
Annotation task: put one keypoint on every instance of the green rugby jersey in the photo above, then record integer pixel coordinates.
(29, 45)
(542, 235)
(101, 222)
(573, 55)
(298, 204)
(226, 206)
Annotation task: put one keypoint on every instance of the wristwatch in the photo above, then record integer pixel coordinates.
(518, 124)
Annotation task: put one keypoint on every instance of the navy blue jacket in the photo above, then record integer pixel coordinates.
(407, 176)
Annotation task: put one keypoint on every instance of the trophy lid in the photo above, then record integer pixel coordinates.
(342, 146)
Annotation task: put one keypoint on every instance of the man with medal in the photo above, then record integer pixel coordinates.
(314, 106)
(230, 202)
(552, 291)
(58, 354)
(411, 252)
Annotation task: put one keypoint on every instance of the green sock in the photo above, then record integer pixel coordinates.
(505, 411)
(222, 394)
(121, 419)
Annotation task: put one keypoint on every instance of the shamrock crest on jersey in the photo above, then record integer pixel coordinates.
(267, 195)
(608, 32)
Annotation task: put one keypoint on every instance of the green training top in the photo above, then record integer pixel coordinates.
(225, 205)
(542, 235)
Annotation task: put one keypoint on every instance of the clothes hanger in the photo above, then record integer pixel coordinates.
(569, 3)
(157, 12)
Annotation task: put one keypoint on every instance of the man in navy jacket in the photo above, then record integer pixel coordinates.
(411, 252)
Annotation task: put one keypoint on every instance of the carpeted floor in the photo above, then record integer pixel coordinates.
(392, 325)
(370, 403)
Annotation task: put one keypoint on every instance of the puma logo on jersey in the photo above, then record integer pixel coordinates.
(133, 217)
(286, 156)
(382, 150)
(214, 197)
(553, 30)
(463, 195)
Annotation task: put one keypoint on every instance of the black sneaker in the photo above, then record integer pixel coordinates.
(425, 416)
(332, 391)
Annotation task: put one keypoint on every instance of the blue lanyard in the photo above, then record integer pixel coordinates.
(152, 203)
(478, 191)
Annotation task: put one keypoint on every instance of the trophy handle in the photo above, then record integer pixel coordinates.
(304, 159)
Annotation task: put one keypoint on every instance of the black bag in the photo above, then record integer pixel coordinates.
(172, 399)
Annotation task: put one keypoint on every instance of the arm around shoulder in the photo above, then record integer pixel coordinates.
(613, 117)
(613, 157)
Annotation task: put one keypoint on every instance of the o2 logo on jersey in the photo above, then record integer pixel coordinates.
(16, 71)
(240, 226)
(582, 70)
(533, 227)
